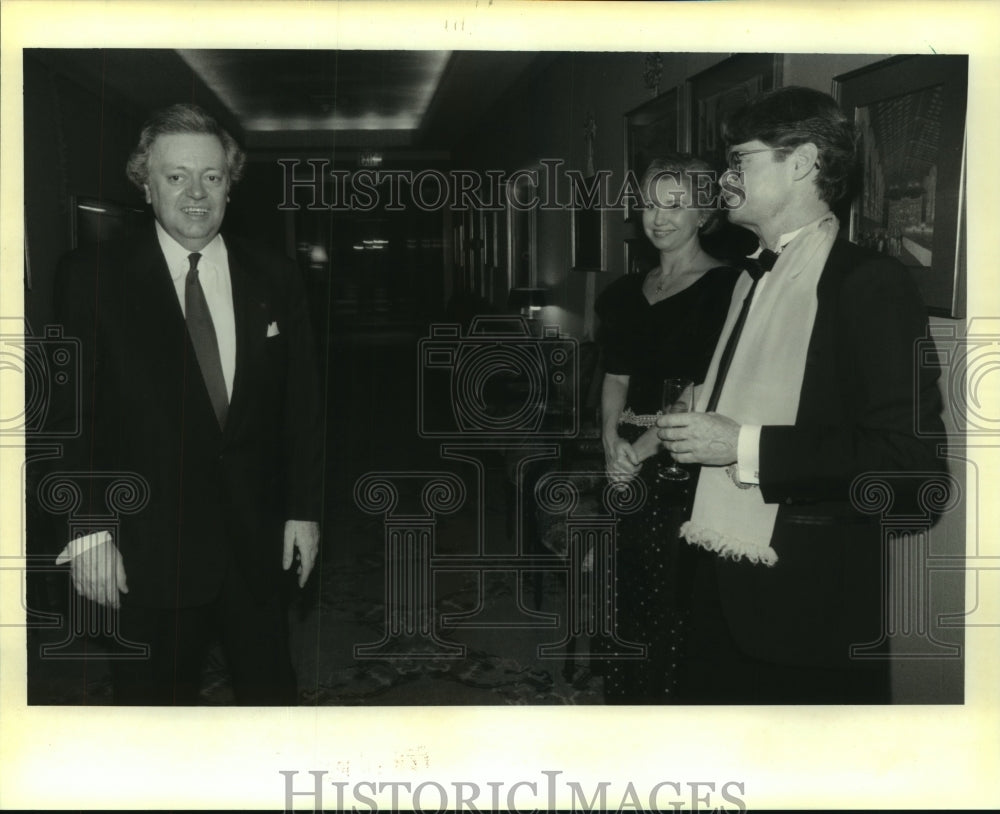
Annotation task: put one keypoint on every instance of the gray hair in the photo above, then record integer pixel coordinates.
(176, 119)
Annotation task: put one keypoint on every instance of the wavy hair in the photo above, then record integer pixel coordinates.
(791, 116)
(177, 119)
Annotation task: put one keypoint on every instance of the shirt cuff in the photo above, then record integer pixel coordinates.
(748, 454)
(81, 545)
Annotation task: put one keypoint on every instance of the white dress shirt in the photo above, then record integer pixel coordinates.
(213, 273)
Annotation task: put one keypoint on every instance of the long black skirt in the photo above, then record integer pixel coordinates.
(653, 579)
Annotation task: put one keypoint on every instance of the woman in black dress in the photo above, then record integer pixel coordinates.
(661, 324)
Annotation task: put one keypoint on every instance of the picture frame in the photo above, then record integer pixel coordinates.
(588, 234)
(470, 260)
(910, 113)
(639, 255)
(717, 91)
(458, 244)
(501, 248)
(651, 129)
(521, 227)
(488, 219)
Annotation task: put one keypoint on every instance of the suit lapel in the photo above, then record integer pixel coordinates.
(159, 319)
(824, 371)
(160, 327)
(250, 312)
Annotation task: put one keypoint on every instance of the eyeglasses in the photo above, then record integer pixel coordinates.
(735, 158)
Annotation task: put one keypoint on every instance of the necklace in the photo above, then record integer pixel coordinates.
(665, 280)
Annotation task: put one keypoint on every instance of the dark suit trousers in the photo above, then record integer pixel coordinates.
(717, 671)
(254, 638)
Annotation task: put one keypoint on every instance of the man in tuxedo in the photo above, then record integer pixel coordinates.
(814, 383)
(199, 376)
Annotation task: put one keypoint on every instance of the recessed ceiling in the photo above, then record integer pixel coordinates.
(415, 103)
(322, 91)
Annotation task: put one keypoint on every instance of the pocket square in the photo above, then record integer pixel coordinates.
(272, 329)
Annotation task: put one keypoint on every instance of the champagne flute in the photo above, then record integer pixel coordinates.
(677, 398)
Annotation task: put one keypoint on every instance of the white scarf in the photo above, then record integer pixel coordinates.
(762, 387)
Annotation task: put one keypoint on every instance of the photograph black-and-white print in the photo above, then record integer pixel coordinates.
(337, 396)
(722, 88)
(474, 549)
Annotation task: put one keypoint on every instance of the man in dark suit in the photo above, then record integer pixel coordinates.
(814, 383)
(199, 376)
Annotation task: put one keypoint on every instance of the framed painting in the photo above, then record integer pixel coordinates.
(474, 250)
(910, 116)
(640, 255)
(719, 90)
(522, 190)
(650, 130)
(588, 235)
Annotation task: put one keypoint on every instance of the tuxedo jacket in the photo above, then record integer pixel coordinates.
(217, 499)
(863, 394)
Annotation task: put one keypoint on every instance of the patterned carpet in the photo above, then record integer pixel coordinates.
(500, 665)
(344, 607)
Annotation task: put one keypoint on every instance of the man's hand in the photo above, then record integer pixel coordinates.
(99, 574)
(303, 535)
(699, 438)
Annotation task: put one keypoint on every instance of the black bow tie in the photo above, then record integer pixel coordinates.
(756, 266)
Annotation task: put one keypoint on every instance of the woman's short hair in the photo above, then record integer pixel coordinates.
(790, 116)
(176, 119)
(700, 177)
